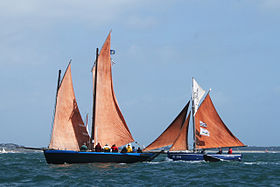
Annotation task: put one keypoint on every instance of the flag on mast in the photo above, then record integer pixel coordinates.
(197, 94)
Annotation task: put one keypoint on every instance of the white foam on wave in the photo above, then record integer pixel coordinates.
(122, 163)
(261, 163)
(3, 151)
(160, 161)
(184, 161)
(168, 159)
(248, 163)
(153, 163)
(192, 161)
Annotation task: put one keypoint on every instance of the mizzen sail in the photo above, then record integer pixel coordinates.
(210, 130)
(109, 125)
(69, 131)
(181, 143)
(171, 133)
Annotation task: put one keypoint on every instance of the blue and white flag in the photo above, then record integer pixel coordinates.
(112, 52)
(202, 124)
(204, 132)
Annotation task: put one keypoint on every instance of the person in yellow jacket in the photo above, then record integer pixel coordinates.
(129, 149)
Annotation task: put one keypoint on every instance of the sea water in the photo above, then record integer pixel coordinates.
(31, 169)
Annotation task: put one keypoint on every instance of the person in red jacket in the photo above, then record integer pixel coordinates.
(114, 148)
(230, 150)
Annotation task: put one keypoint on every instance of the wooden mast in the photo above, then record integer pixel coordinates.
(58, 82)
(57, 88)
(194, 139)
(94, 99)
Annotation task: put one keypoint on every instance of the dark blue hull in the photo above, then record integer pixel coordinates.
(199, 156)
(70, 157)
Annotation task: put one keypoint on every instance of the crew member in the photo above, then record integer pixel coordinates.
(114, 148)
(139, 150)
(229, 150)
(98, 148)
(129, 149)
(220, 151)
(106, 148)
(124, 150)
(84, 147)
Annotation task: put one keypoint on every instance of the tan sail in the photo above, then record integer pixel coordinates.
(171, 133)
(109, 127)
(210, 130)
(181, 143)
(69, 131)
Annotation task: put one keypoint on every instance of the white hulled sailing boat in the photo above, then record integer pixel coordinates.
(108, 125)
(209, 131)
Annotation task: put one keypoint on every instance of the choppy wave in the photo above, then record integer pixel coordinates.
(261, 163)
(31, 169)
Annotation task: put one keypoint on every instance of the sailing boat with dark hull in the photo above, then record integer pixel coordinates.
(108, 125)
(209, 132)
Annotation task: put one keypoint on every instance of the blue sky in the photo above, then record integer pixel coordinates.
(229, 46)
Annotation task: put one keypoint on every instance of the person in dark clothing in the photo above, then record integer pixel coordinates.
(114, 148)
(220, 151)
(98, 148)
(139, 150)
(124, 150)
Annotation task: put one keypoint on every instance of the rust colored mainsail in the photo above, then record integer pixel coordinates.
(69, 131)
(210, 130)
(171, 133)
(181, 142)
(109, 125)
